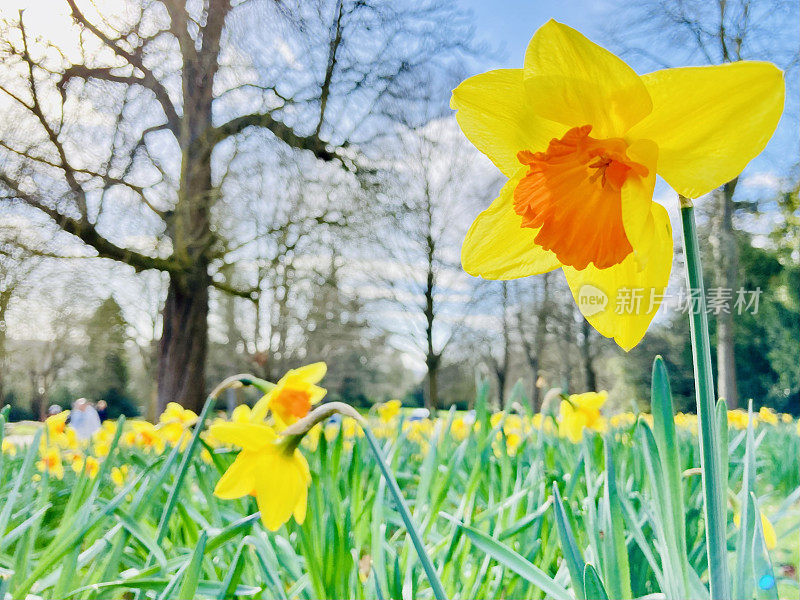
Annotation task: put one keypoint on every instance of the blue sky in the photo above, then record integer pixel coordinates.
(509, 25)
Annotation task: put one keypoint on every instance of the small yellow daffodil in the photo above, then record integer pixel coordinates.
(90, 464)
(146, 436)
(579, 412)
(272, 470)
(765, 415)
(737, 418)
(174, 422)
(623, 419)
(388, 411)
(57, 424)
(119, 475)
(293, 396)
(461, 428)
(9, 448)
(581, 138)
(51, 463)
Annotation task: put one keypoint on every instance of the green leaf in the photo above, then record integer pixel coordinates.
(569, 547)
(592, 584)
(670, 500)
(23, 477)
(743, 574)
(616, 566)
(391, 482)
(234, 573)
(516, 563)
(762, 566)
(191, 576)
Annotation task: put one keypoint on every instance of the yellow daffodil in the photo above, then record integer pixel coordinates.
(624, 419)
(543, 423)
(9, 448)
(146, 436)
(581, 138)
(174, 422)
(51, 463)
(175, 413)
(91, 465)
(57, 424)
(512, 444)
(389, 410)
(119, 475)
(737, 418)
(786, 418)
(770, 537)
(765, 415)
(582, 411)
(272, 470)
(293, 396)
(460, 428)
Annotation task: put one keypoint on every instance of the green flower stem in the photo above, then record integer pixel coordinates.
(427, 565)
(713, 491)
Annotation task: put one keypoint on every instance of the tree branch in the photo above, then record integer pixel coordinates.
(278, 128)
(148, 79)
(88, 234)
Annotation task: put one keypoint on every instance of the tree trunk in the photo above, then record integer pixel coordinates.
(501, 388)
(184, 339)
(432, 397)
(590, 375)
(183, 347)
(726, 267)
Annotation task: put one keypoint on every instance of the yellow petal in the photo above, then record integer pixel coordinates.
(279, 489)
(239, 480)
(261, 408)
(709, 122)
(316, 394)
(496, 247)
(250, 436)
(623, 317)
(636, 197)
(572, 80)
(301, 506)
(312, 373)
(770, 537)
(494, 115)
(590, 400)
(241, 414)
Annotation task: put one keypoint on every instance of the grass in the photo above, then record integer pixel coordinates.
(618, 515)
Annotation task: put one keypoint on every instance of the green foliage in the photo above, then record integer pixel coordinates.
(493, 522)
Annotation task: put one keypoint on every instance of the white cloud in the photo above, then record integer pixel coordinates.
(764, 180)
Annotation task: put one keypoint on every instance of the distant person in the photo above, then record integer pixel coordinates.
(102, 410)
(84, 418)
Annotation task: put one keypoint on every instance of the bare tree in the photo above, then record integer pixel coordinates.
(16, 267)
(426, 208)
(121, 135)
(716, 31)
(498, 356)
(533, 310)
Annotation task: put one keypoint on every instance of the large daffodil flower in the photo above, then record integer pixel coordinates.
(581, 138)
(272, 470)
(293, 396)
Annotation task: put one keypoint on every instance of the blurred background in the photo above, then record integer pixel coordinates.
(191, 189)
